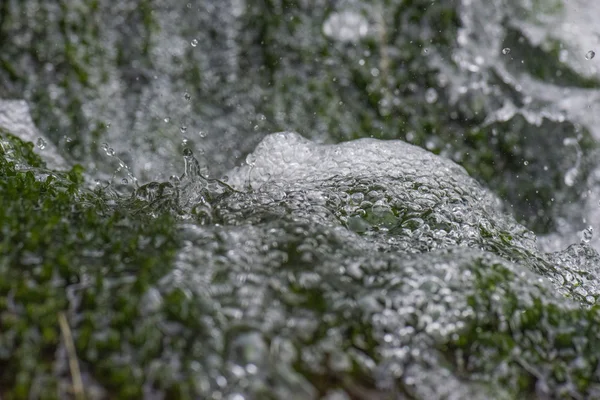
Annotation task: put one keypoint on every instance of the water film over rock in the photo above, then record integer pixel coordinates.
(421, 227)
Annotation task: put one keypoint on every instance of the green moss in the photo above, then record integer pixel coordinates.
(60, 238)
(532, 337)
(14, 149)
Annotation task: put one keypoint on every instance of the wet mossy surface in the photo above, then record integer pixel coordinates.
(66, 249)
(272, 304)
(290, 292)
(268, 69)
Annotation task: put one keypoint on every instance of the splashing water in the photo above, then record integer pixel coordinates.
(365, 269)
(590, 54)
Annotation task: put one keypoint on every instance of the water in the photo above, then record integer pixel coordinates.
(305, 257)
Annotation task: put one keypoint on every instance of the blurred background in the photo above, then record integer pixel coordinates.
(509, 89)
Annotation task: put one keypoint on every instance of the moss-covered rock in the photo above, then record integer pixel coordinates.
(192, 289)
(365, 270)
(217, 77)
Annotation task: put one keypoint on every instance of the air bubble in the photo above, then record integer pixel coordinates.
(194, 42)
(202, 134)
(506, 50)
(183, 128)
(167, 120)
(187, 96)
(250, 159)
(124, 181)
(187, 152)
(590, 54)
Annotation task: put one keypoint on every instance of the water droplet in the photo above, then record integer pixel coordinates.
(506, 50)
(570, 177)
(167, 120)
(41, 143)
(187, 152)
(68, 139)
(346, 26)
(184, 141)
(590, 54)
(187, 96)
(431, 96)
(525, 163)
(108, 150)
(202, 134)
(194, 42)
(183, 128)
(587, 234)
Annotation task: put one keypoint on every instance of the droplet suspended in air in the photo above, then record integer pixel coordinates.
(108, 150)
(194, 42)
(506, 50)
(590, 54)
(41, 143)
(570, 177)
(431, 96)
(587, 234)
(346, 26)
